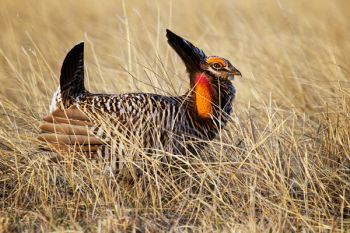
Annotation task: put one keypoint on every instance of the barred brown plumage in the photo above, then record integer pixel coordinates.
(172, 123)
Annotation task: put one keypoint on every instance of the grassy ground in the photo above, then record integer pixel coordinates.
(282, 165)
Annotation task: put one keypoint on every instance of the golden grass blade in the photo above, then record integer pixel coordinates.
(69, 139)
(79, 148)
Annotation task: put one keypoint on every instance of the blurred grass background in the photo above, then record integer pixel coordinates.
(283, 164)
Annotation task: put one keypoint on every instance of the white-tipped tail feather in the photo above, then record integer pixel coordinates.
(56, 98)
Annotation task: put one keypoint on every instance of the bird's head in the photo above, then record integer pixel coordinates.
(196, 62)
(219, 68)
(206, 72)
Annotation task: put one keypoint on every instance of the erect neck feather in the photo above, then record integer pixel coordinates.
(203, 95)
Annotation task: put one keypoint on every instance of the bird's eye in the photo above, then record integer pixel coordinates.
(216, 66)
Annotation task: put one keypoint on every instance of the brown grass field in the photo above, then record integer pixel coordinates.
(282, 165)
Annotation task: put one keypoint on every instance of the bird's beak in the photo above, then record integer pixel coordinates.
(233, 74)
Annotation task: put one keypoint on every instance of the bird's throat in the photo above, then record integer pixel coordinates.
(203, 95)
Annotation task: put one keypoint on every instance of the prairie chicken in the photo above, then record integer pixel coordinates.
(99, 122)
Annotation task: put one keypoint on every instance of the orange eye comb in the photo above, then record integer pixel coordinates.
(204, 96)
(216, 60)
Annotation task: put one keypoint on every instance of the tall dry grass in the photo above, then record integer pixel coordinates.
(282, 165)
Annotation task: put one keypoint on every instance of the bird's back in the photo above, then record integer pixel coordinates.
(152, 120)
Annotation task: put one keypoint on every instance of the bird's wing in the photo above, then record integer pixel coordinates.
(104, 116)
(69, 127)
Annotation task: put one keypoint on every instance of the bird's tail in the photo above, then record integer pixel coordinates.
(71, 79)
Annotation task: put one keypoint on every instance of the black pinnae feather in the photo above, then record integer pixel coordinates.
(72, 74)
(190, 54)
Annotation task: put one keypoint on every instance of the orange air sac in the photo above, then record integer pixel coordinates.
(204, 96)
